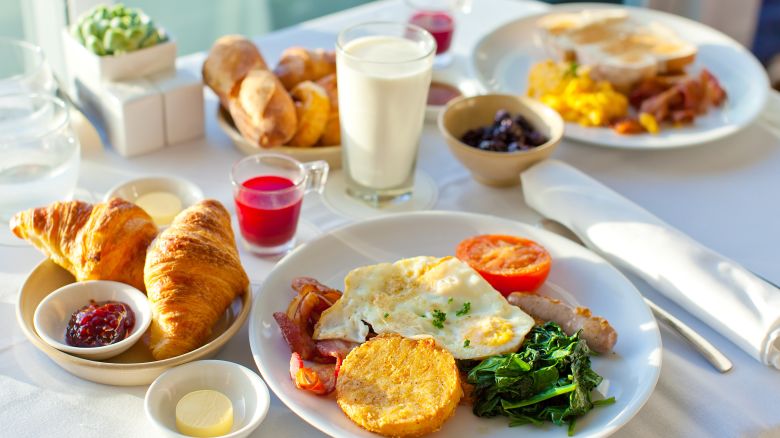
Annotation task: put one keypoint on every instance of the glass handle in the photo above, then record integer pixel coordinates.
(316, 176)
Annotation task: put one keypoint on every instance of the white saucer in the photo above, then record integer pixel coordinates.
(424, 196)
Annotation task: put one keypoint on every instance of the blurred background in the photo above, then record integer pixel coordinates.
(197, 23)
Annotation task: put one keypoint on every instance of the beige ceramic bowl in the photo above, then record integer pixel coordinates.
(498, 168)
(135, 366)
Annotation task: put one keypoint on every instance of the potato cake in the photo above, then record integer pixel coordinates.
(399, 387)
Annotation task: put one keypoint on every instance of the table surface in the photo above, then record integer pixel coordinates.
(723, 194)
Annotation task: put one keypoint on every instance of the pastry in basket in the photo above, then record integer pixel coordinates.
(299, 64)
(230, 59)
(332, 133)
(263, 110)
(313, 109)
(192, 274)
(105, 241)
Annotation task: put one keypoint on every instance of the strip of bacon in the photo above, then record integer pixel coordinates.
(300, 341)
(319, 379)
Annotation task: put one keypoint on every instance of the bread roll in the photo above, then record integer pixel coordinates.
(263, 110)
(228, 62)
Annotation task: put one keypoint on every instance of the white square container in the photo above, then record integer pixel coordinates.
(85, 65)
(131, 112)
(182, 93)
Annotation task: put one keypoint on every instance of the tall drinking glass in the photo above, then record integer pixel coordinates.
(39, 153)
(24, 68)
(384, 71)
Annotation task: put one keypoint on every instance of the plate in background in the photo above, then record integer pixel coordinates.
(503, 57)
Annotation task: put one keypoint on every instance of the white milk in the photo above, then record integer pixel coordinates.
(382, 107)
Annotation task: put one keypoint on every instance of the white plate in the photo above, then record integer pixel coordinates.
(577, 276)
(502, 58)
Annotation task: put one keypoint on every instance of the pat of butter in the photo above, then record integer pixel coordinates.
(161, 206)
(204, 413)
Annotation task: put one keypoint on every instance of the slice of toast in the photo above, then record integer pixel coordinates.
(617, 45)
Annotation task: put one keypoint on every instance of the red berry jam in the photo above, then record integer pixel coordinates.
(99, 324)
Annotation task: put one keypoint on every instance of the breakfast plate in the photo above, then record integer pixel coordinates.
(503, 57)
(331, 154)
(135, 366)
(578, 276)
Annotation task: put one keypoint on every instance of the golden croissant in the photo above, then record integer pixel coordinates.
(105, 241)
(192, 274)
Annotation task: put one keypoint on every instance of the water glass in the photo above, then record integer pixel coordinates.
(268, 191)
(40, 155)
(384, 71)
(24, 68)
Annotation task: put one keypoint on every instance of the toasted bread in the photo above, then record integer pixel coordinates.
(619, 46)
(399, 387)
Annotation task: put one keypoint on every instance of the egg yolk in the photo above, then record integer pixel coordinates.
(493, 332)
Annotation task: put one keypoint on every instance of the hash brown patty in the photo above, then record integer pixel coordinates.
(399, 387)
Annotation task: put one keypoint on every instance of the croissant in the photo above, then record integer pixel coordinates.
(192, 274)
(313, 108)
(298, 64)
(229, 60)
(105, 241)
(263, 110)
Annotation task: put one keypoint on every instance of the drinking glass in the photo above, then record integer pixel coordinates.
(40, 155)
(438, 18)
(268, 190)
(384, 71)
(24, 68)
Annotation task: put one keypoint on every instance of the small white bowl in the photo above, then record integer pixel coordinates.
(245, 389)
(53, 314)
(189, 193)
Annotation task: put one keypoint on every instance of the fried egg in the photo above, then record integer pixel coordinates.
(442, 298)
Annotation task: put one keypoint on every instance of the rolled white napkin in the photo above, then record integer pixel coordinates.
(719, 291)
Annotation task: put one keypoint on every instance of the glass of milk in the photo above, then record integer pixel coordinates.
(40, 155)
(384, 71)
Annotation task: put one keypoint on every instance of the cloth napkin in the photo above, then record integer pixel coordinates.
(720, 292)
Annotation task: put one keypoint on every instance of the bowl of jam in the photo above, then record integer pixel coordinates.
(93, 319)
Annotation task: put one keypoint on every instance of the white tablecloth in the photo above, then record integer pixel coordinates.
(724, 194)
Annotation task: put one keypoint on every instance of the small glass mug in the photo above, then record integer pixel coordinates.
(438, 18)
(268, 191)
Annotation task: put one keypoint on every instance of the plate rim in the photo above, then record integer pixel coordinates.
(712, 135)
(301, 413)
(58, 356)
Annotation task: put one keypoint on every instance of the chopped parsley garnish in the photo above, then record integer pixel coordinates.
(464, 310)
(466, 343)
(386, 314)
(450, 300)
(438, 318)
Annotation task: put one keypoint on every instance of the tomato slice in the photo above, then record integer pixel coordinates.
(508, 263)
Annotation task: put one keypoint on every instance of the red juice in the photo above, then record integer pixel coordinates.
(440, 24)
(267, 214)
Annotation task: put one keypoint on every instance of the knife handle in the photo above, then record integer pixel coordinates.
(703, 346)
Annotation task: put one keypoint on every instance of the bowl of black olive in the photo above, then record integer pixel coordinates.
(497, 136)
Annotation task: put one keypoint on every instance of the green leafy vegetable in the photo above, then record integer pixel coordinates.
(466, 343)
(438, 318)
(548, 379)
(464, 310)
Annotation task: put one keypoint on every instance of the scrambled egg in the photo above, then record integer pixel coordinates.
(578, 98)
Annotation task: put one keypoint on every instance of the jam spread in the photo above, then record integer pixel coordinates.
(99, 324)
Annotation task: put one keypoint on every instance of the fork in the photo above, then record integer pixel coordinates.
(697, 341)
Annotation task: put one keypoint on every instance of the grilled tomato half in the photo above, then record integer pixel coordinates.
(508, 263)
